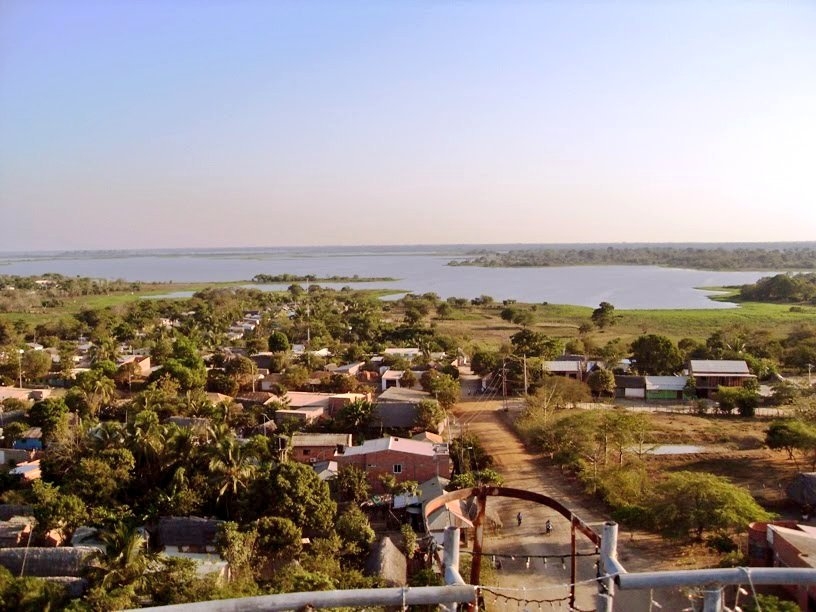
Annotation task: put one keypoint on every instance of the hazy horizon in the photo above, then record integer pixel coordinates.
(461, 246)
(178, 125)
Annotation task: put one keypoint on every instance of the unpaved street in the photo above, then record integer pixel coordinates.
(524, 470)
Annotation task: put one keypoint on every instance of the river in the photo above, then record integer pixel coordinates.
(418, 270)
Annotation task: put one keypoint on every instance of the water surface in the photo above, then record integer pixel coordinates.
(419, 270)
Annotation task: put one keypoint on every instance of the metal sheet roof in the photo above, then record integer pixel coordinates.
(665, 383)
(718, 366)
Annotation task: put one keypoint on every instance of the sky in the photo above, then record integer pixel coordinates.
(199, 123)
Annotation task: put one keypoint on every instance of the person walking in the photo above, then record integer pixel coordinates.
(518, 518)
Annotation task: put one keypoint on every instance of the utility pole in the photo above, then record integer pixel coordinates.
(504, 382)
(525, 374)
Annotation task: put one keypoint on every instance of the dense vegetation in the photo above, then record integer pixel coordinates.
(699, 257)
(300, 278)
(782, 288)
(114, 462)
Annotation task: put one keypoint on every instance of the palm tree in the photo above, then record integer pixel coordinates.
(230, 471)
(108, 434)
(125, 557)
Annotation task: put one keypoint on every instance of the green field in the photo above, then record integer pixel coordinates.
(485, 324)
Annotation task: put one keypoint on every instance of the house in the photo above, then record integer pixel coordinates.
(27, 470)
(569, 368)
(397, 408)
(785, 544)
(30, 439)
(409, 353)
(403, 458)
(186, 534)
(300, 416)
(709, 374)
(630, 387)
(16, 531)
(14, 455)
(141, 362)
(326, 470)
(191, 537)
(349, 369)
(192, 423)
(317, 447)
(388, 563)
(665, 387)
(390, 378)
(23, 394)
(427, 436)
(64, 564)
(257, 398)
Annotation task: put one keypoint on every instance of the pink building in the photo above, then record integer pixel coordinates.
(405, 459)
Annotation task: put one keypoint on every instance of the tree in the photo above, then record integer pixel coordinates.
(295, 377)
(410, 542)
(655, 355)
(429, 415)
(355, 415)
(279, 539)
(230, 469)
(693, 502)
(278, 342)
(47, 414)
(445, 389)
(35, 364)
(533, 343)
(237, 548)
(744, 399)
(125, 557)
(55, 509)
(483, 362)
(792, 435)
(409, 379)
(242, 370)
(355, 531)
(556, 392)
(293, 491)
(604, 315)
(352, 484)
(477, 478)
(601, 381)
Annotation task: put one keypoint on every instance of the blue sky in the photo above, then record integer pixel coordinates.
(130, 124)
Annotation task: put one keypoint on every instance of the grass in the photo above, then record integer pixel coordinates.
(563, 321)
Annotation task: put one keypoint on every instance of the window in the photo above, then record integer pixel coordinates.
(307, 451)
(398, 468)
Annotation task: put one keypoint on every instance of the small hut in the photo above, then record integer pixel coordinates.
(43, 562)
(802, 490)
(388, 563)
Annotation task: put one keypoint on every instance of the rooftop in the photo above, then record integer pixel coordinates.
(719, 366)
(401, 445)
(400, 394)
(665, 383)
(321, 439)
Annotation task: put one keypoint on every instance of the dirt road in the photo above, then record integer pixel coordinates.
(535, 582)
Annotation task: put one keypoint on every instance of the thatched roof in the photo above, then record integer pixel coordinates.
(187, 531)
(8, 511)
(388, 562)
(47, 562)
(803, 489)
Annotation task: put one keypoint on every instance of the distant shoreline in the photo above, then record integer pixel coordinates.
(463, 249)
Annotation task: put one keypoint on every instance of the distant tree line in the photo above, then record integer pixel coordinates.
(301, 278)
(784, 288)
(701, 258)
